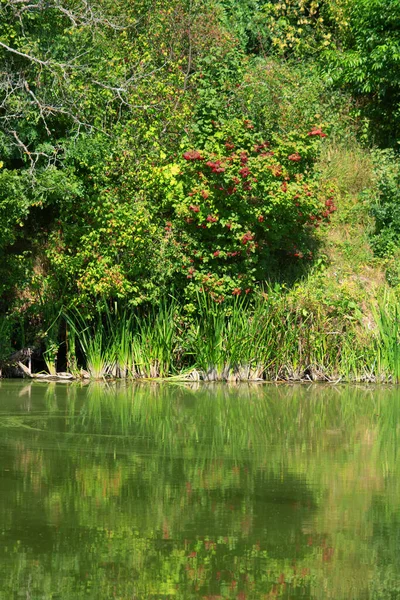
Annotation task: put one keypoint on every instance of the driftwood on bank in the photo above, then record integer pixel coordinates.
(45, 376)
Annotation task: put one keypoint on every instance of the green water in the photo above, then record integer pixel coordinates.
(156, 492)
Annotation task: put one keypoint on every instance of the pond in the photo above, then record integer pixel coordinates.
(168, 491)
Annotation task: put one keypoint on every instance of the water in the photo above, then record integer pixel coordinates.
(171, 492)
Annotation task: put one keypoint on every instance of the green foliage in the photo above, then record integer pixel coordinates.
(241, 204)
(147, 150)
(386, 207)
(291, 28)
(5, 339)
(86, 96)
(14, 205)
(393, 270)
(368, 63)
(285, 96)
(387, 318)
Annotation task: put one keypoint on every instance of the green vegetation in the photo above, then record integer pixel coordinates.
(272, 337)
(240, 157)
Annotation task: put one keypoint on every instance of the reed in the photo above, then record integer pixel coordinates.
(234, 343)
(387, 316)
(123, 343)
(94, 343)
(268, 339)
(154, 342)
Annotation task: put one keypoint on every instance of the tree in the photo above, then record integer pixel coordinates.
(367, 62)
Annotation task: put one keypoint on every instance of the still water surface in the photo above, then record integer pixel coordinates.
(171, 492)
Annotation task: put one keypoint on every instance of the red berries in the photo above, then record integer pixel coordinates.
(212, 219)
(192, 155)
(317, 131)
(216, 253)
(295, 157)
(245, 172)
(260, 218)
(330, 205)
(194, 208)
(262, 146)
(248, 237)
(215, 166)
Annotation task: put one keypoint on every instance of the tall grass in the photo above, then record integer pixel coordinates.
(227, 344)
(268, 339)
(154, 342)
(387, 318)
(94, 344)
(271, 339)
(124, 343)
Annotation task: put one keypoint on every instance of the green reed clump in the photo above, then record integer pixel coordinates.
(125, 343)
(387, 318)
(271, 338)
(217, 338)
(154, 345)
(94, 342)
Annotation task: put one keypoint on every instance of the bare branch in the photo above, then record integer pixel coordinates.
(29, 57)
(86, 16)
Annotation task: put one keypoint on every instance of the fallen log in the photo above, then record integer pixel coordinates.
(45, 376)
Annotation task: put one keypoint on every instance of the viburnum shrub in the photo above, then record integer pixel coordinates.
(235, 209)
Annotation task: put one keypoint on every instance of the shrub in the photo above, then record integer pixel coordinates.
(241, 205)
(386, 207)
(367, 63)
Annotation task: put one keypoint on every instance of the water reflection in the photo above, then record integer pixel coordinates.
(167, 491)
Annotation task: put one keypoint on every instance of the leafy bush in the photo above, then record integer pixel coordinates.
(240, 205)
(367, 62)
(5, 339)
(290, 28)
(386, 208)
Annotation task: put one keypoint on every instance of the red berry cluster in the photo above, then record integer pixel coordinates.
(245, 172)
(330, 207)
(215, 166)
(248, 237)
(317, 131)
(262, 146)
(192, 155)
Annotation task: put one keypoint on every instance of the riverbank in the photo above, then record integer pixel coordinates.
(275, 338)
